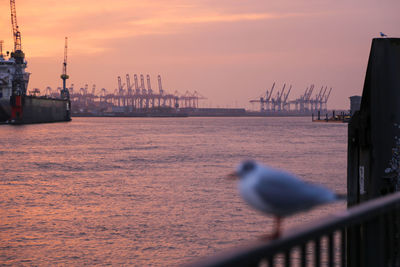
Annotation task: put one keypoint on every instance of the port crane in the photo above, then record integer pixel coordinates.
(128, 85)
(18, 83)
(64, 76)
(18, 86)
(160, 89)
(320, 99)
(134, 96)
(285, 98)
(325, 98)
(306, 103)
(120, 91)
(137, 89)
(16, 32)
(266, 101)
(277, 102)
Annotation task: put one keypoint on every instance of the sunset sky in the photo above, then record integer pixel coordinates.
(230, 51)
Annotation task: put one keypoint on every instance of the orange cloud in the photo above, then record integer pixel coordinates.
(44, 23)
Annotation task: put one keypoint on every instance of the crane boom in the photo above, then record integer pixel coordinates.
(310, 92)
(287, 95)
(120, 86)
(267, 98)
(18, 83)
(128, 84)
(16, 32)
(144, 91)
(317, 97)
(149, 84)
(323, 95)
(160, 85)
(137, 89)
(65, 56)
(305, 94)
(64, 75)
(282, 92)
(327, 97)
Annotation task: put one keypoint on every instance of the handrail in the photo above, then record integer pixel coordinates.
(254, 253)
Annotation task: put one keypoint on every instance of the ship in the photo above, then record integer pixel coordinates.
(16, 105)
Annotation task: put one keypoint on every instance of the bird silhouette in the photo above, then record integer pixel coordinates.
(382, 34)
(278, 193)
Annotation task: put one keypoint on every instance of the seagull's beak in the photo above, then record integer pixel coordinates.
(232, 176)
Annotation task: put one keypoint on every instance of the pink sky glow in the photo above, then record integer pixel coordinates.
(229, 51)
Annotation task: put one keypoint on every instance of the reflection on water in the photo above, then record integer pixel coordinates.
(140, 191)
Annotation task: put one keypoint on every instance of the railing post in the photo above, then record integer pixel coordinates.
(374, 139)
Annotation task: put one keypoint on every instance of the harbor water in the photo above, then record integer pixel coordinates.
(149, 191)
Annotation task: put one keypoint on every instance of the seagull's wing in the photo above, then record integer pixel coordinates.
(285, 194)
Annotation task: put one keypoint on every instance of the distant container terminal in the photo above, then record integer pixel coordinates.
(304, 105)
(138, 99)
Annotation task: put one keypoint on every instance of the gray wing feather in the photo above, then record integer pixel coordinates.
(287, 195)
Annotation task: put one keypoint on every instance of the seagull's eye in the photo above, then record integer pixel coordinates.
(248, 166)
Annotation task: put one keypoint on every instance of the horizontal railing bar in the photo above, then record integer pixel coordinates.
(260, 249)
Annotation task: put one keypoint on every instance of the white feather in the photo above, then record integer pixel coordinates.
(277, 192)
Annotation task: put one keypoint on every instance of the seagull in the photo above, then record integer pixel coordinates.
(278, 193)
(382, 34)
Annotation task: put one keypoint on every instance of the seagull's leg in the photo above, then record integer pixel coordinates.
(278, 223)
(277, 231)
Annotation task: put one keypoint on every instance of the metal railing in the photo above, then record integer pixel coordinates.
(365, 235)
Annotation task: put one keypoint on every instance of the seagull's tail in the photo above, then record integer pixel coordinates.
(341, 196)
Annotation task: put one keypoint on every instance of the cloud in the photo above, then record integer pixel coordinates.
(44, 23)
(209, 18)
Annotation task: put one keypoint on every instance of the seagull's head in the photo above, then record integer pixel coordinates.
(244, 168)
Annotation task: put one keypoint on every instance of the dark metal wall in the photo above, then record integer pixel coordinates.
(374, 142)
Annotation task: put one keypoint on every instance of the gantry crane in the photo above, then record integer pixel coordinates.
(137, 89)
(128, 85)
(325, 100)
(144, 91)
(276, 102)
(150, 91)
(267, 99)
(120, 86)
(160, 89)
(285, 98)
